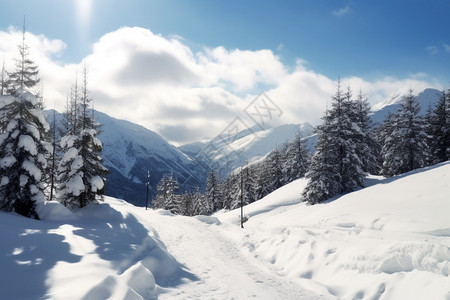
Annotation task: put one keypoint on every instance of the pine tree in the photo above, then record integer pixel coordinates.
(200, 204)
(4, 87)
(438, 130)
(336, 167)
(26, 74)
(80, 172)
(23, 152)
(172, 202)
(275, 174)
(386, 140)
(296, 160)
(405, 149)
(323, 173)
(368, 150)
(187, 204)
(212, 191)
(160, 198)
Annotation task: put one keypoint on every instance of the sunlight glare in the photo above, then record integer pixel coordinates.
(84, 10)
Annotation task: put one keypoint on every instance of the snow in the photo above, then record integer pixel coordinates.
(390, 240)
(97, 183)
(32, 169)
(7, 161)
(27, 143)
(392, 103)
(227, 153)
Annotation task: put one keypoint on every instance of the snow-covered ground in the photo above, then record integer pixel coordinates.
(388, 241)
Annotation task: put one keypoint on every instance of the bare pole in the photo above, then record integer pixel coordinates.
(147, 184)
(242, 202)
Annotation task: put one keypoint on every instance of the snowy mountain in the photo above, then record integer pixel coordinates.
(130, 150)
(225, 154)
(391, 104)
(387, 241)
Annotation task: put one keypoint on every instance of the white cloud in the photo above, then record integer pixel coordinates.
(342, 11)
(161, 84)
(446, 47)
(433, 50)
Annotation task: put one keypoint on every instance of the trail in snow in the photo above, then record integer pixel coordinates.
(223, 270)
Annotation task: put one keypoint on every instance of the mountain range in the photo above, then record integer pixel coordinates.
(131, 150)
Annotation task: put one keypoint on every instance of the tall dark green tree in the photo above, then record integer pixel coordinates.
(438, 130)
(323, 173)
(336, 167)
(405, 147)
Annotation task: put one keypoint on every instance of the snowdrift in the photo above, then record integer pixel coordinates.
(99, 252)
(387, 241)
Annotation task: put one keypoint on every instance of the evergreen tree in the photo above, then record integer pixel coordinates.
(212, 191)
(26, 74)
(405, 149)
(385, 139)
(438, 130)
(187, 204)
(80, 172)
(4, 87)
(160, 198)
(172, 202)
(296, 160)
(275, 174)
(368, 149)
(336, 167)
(23, 152)
(200, 203)
(323, 173)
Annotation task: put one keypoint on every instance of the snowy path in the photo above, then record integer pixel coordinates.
(223, 270)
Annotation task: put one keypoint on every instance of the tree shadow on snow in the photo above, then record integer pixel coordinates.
(125, 242)
(28, 251)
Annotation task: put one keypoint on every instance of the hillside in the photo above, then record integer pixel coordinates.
(388, 241)
(227, 153)
(391, 104)
(130, 150)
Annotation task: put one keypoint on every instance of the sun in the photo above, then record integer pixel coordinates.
(83, 10)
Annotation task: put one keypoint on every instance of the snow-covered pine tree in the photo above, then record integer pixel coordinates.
(160, 198)
(172, 202)
(368, 150)
(3, 80)
(212, 191)
(187, 203)
(438, 130)
(201, 206)
(80, 171)
(23, 151)
(336, 167)
(26, 74)
(275, 174)
(296, 160)
(323, 172)
(249, 184)
(405, 148)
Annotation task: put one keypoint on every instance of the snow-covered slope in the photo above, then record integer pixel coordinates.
(391, 104)
(130, 150)
(230, 152)
(388, 241)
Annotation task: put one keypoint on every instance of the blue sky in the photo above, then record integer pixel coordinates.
(365, 38)
(219, 54)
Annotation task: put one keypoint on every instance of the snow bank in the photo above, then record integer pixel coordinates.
(388, 241)
(55, 211)
(98, 252)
